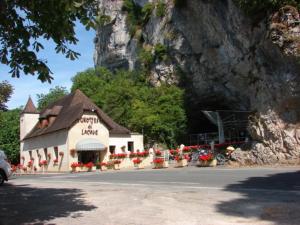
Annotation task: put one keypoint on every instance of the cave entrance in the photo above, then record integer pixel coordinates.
(221, 126)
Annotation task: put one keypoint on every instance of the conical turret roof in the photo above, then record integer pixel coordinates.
(29, 107)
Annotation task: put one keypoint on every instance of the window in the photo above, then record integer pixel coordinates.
(112, 149)
(56, 152)
(130, 146)
(30, 155)
(46, 153)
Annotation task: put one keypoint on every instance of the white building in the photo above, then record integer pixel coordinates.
(72, 129)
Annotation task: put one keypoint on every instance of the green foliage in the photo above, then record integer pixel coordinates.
(160, 51)
(136, 16)
(54, 94)
(6, 91)
(146, 11)
(24, 23)
(160, 9)
(146, 58)
(132, 102)
(254, 7)
(9, 134)
(180, 3)
(102, 20)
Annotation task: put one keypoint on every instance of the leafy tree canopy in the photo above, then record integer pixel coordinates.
(6, 91)
(9, 134)
(53, 95)
(24, 23)
(158, 112)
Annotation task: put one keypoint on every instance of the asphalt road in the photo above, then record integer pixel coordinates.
(187, 196)
(287, 179)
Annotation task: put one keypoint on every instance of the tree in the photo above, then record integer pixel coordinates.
(6, 91)
(54, 94)
(24, 23)
(126, 97)
(9, 134)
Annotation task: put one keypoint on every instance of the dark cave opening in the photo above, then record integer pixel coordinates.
(201, 130)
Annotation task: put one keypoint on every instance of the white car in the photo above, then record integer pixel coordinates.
(5, 168)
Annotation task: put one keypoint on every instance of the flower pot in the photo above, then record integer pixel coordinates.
(202, 163)
(116, 166)
(158, 165)
(213, 163)
(139, 166)
(166, 164)
(181, 163)
(103, 168)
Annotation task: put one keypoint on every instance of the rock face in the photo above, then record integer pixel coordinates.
(226, 62)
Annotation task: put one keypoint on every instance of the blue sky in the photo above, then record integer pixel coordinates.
(63, 69)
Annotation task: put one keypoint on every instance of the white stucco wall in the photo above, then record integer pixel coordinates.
(122, 140)
(81, 129)
(36, 146)
(27, 122)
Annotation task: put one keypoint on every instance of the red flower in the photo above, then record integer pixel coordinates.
(103, 164)
(206, 157)
(174, 152)
(158, 153)
(74, 165)
(43, 163)
(158, 160)
(121, 156)
(132, 154)
(113, 156)
(29, 164)
(117, 161)
(178, 158)
(89, 165)
(186, 149)
(137, 161)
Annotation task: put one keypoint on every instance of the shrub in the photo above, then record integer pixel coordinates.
(146, 57)
(160, 51)
(160, 9)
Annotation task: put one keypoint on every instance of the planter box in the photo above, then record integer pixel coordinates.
(211, 163)
(116, 166)
(158, 165)
(103, 168)
(139, 166)
(166, 164)
(181, 163)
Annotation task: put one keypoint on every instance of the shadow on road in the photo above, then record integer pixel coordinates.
(21, 204)
(275, 198)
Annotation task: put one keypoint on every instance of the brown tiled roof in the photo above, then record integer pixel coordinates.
(29, 107)
(69, 109)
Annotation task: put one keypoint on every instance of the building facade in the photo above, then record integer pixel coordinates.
(72, 129)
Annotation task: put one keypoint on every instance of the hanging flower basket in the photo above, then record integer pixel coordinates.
(61, 154)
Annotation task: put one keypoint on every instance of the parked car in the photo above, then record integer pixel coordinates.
(5, 168)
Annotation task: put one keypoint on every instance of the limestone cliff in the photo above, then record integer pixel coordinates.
(226, 61)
